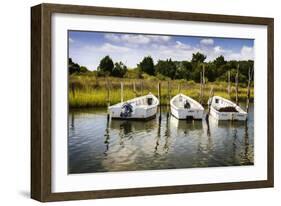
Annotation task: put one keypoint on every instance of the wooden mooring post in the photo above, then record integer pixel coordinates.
(211, 94)
(203, 75)
(141, 87)
(229, 85)
(236, 85)
(108, 97)
(203, 81)
(179, 88)
(168, 99)
(122, 97)
(201, 88)
(134, 89)
(250, 76)
(159, 98)
(202, 84)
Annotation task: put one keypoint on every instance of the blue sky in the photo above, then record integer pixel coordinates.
(88, 48)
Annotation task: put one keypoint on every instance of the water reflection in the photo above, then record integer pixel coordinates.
(98, 144)
(158, 134)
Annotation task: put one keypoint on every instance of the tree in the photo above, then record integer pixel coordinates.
(244, 67)
(73, 67)
(133, 73)
(147, 65)
(119, 70)
(167, 68)
(198, 58)
(83, 69)
(184, 70)
(219, 61)
(222, 69)
(233, 72)
(106, 66)
(210, 72)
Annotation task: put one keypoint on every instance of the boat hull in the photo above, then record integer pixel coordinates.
(228, 115)
(137, 114)
(187, 113)
(184, 107)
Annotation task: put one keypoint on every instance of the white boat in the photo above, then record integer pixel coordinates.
(144, 107)
(223, 109)
(184, 107)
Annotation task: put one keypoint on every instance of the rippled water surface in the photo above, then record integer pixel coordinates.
(98, 145)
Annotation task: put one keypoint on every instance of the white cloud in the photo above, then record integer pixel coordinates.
(107, 47)
(136, 39)
(218, 49)
(245, 53)
(112, 37)
(70, 40)
(207, 42)
(221, 51)
(127, 38)
(154, 38)
(180, 45)
(130, 49)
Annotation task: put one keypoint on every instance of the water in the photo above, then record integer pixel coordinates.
(95, 145)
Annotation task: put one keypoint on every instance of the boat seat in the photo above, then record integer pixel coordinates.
(225, 109)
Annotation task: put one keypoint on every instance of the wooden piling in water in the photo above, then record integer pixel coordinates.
(250, 75)
(169, 92)
(159, 98)
(236, 85)
(203, 81)
(229, 86)
(134, 89)
(108, 97)
(168, 99)
(159, 92)
(121, 84)
(108, 92)
(203, 73)
(211, 94)
(201, 88)
(179, 88)
(141, 87)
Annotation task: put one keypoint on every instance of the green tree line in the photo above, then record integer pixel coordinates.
(216, 70)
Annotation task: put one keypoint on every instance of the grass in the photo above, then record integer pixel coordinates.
(91, 91)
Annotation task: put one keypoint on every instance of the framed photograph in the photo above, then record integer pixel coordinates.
(130, 102)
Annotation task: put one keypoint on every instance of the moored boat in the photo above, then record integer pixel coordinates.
(184, 107)
(224, 109)
(144, 107)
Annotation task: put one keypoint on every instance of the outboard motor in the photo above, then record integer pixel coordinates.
(126, 110)
(186, 105)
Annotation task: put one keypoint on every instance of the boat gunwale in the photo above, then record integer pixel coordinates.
(239, 109)
(198, 105)
(138, 106)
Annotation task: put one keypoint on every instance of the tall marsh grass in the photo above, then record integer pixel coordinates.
(92, 91)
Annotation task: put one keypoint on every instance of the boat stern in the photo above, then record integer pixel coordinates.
(234, 116)
(194, 114)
